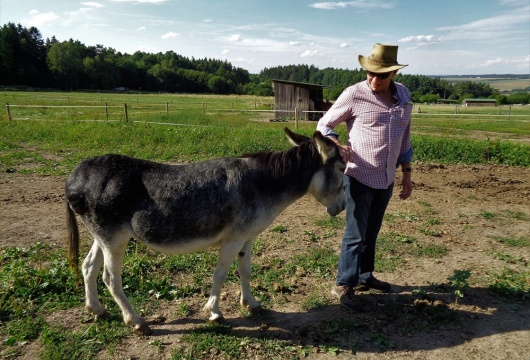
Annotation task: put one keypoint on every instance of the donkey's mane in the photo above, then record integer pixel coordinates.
(295, 159)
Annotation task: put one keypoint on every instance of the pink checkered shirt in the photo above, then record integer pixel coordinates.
(379, 135)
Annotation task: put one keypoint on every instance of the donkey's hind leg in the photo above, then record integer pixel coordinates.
(247, 300)
(113, 253)
(91, 266)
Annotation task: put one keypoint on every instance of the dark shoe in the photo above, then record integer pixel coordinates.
(374, 284)
(347, 298)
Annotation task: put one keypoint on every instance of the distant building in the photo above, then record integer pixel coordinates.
(306, 98)
(479, 102)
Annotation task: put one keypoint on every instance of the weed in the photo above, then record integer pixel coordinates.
(331, 222)
(280, 229)
(311, 235)
(382, 341)
(433, 222)
(430, 232)
(459, 283)
(432, 251)
(314, 301)
(514, 242)
(183, 310)
(509, 284)
(60, 343)
(511, 259)
(516, 215)
(487, 215)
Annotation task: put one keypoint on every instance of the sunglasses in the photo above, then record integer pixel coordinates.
(379, 75)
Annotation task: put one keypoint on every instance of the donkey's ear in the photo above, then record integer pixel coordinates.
(326, 147)
(296, 139)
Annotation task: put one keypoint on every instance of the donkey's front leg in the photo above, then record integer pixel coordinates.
(247, 300)
(227, 253)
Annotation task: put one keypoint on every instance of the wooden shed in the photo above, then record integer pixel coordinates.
(307, 99)
(479, 102)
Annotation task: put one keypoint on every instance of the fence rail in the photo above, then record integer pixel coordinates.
(108, 112)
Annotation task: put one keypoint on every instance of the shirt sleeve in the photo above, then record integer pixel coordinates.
(405, 157)
(339, 112)
(406, 151)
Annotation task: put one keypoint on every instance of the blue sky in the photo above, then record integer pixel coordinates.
(434, 37)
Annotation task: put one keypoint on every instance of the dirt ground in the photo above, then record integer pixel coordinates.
(483, 326)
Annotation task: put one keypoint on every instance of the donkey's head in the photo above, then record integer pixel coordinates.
(326, 185)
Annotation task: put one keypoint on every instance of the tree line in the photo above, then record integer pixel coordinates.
(424, 89)
(29, 60)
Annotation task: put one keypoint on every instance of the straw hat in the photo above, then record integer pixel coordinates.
(382, 59)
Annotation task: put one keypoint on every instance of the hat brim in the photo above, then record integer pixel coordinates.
(377, 68)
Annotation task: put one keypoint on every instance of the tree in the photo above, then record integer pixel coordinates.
(65, 63)
(22, 56)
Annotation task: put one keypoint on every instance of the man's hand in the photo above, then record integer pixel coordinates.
(406, 189)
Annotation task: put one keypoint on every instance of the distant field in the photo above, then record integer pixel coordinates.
(503, 85)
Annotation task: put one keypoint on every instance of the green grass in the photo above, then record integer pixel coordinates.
(510, 284)
(62, 139)
(522, 242)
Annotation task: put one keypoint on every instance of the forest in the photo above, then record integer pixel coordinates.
(28, 61)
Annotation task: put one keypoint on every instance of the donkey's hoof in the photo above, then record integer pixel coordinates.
(103, 316)
(252, 306)
(256, 309)
(142, 329)
(215, 317)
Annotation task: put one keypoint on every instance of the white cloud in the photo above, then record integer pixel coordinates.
(294, 43)
(491, 24)
(357, 4)
(141, 28)
(170, 35)
(417, 38)
(309, 53)
(418, 41)
(225, 51)
(235, 38)
(93, 5)
(142, 1)
(39, 19)
(344, 45)
(521, 63)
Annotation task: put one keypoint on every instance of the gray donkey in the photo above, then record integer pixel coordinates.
(224, 202)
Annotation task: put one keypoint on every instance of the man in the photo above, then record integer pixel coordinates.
(377, 115)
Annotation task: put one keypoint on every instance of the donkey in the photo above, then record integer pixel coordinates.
(224, 202)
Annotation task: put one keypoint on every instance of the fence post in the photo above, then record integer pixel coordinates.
(8, 112)
(125, 111)
(296, 118)
(107, 111)
(167, 107)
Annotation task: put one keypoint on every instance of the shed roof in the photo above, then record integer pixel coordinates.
(481, 100)
(306, 85)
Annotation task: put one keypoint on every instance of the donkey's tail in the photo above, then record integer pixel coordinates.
(73, 237)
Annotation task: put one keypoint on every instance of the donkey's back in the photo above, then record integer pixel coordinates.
(165, 205)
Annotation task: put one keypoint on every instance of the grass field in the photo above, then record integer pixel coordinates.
(500, 84)
(180, 128)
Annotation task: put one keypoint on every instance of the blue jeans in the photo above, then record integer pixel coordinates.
(365, 208)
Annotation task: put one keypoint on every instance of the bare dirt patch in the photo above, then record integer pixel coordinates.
(464, 208)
